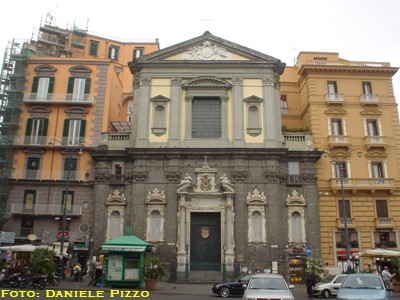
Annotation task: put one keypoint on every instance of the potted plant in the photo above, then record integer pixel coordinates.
(154, 270)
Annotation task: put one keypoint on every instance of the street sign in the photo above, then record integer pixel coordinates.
(308, 251)
(7, 237)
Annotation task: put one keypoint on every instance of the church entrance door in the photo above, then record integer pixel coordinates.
(205, 241)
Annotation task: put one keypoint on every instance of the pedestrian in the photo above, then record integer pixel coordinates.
(387, 279)
(267, 270)
(310, 283)
(326, 270)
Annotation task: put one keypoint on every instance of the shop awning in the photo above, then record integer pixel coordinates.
(126, 243)
(380, 253)
(23, 248)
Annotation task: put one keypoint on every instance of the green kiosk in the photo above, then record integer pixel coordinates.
(123, 261)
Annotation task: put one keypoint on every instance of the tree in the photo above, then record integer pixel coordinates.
(42, 261)
(315, 266)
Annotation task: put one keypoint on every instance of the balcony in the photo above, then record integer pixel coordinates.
(62, 99)
(116, 140)
(50, 175)
(384, 223)
(339, 141)
(369, 99)
(44, 210)
(334, 98)
(375, 142)
(368, 184)
(351, 223)
(301, 141)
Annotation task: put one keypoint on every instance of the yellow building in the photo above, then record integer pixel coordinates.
(350, 109)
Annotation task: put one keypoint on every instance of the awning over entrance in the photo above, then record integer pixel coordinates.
(23, 248)
(380, 253)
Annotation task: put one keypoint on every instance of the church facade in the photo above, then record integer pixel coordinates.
(206, 175)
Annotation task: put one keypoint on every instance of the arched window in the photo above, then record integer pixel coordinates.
(256, 220)
(115, 221)
(296, 225)
(155, 226)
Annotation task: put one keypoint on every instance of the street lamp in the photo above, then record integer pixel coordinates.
(340, 160)
(69, 150)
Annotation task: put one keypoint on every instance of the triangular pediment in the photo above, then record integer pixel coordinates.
(207, 47)
(336, 111)
(377, 154)
(371, 111)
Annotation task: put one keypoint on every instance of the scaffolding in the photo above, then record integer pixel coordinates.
(12, 84)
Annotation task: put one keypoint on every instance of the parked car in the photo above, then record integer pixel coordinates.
(363, 286)
(329, 286)
(225, 289)
(268, 286)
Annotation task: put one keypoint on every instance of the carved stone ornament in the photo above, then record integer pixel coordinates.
(207, 51)
(183, 186)
(256, 198)
(295, 199)
(205, 232)
(116, 198)
(205, 178)
(155, 196)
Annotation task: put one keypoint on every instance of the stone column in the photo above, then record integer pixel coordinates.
(181, 242)
(229, 239)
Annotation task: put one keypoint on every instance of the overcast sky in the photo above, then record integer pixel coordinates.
(361, 30)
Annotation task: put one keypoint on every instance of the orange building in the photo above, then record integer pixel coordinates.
(75, 87)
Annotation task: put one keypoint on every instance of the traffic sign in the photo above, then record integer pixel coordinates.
(308, 251)
(7, 237)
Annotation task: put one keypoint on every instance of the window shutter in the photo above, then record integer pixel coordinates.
(65, 129)
(51, 85)
(71, 81)
(44, 129)
(35, 84)
(82, 129)
(28, 127)
(87, 86)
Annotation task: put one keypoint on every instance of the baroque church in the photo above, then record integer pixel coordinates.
(207, 176)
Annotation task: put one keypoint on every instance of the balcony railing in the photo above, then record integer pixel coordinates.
(351, 222)
(363, 184)
(384, 222)
(375, 142)
(347, 63)
(50, 175)
(44, 209)
(334, 98)
(298, 141)
(59, 98)
(371, 99)
(339, 141)
(36, 140)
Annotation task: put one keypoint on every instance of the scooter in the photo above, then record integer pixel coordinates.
(77, 275)
(37, 281)
(12, 280)
(53, 279)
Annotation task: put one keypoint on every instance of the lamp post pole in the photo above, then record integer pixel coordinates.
(80, 142)
(346, 230)
(341, 161)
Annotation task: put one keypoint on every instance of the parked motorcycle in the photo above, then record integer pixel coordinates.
(37, 281)
(11, 280)
(53, 279)
(77, 275)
